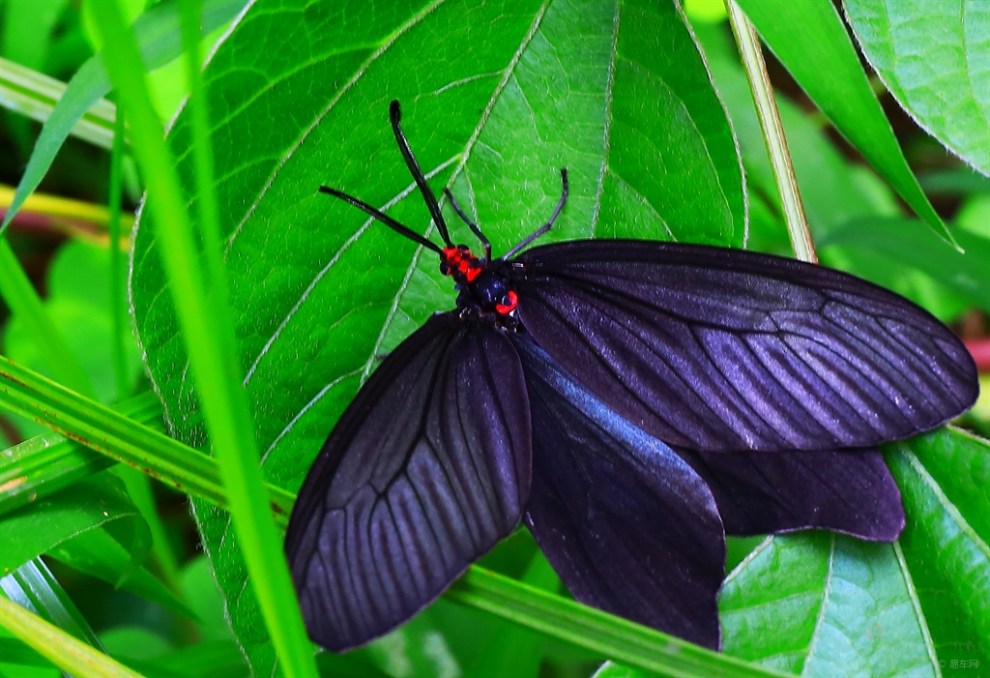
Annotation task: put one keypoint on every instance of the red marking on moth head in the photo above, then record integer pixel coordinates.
(459, 263)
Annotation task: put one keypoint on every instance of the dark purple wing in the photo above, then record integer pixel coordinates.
(717, 349)
(426, 470)
(844, 491)
(628, 525)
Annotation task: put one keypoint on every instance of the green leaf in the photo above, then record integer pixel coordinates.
(158, 34)
(830, 73)
(136, 644)
(861, 233)
(828, 605)
(32, 586)
(26, 30)
(115, 435)
(824, 605)
(88, 505)
(944, 478)
(92, 527)
(34, 95)
(27, 33)
(821, 169)
(41, 466)
(67, 652)
(914, 249)
(934, 57)
(505, 94)
(205, 659)
(98, 553)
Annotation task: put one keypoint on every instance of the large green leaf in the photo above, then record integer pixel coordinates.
(812, 43)
(944, 479)
(934, 57)
(824, 605)
(496, 99)
(91, 526)
(818, 604)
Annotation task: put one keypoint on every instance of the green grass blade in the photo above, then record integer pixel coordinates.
(34, 587)
(204, 316)
(118, 437)
(571, 622)
(180, 466)
(118, 313)
(63, 649)
(36, 95)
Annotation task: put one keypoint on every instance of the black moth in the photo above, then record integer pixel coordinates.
(632, 402)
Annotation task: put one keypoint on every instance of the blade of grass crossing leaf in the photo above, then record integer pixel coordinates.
(208, 212)
(115, 435)
(178, 465)
(773, 133)
(117, 295)
(24, 302)
(38, 467)
(138, 485)
(209, 336)
(811, 41)
(64, 650)
(571, 622)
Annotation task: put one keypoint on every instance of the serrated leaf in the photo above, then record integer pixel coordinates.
(818, 604)
(823, 605)
(943, 478)
(496, 99)
(934, 57)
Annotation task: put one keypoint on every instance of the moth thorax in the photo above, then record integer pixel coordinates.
(491, 292)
